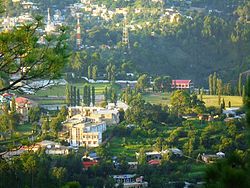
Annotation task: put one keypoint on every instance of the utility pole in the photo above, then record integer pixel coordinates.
(78, 33)
(125, 34)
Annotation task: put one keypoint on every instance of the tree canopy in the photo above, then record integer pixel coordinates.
(23, 59)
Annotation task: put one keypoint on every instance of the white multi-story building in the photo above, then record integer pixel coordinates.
(110, 116)
(85, 131)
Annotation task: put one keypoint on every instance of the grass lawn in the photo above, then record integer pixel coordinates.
(60, 90)
(157, 98)
(45, 102)
(212, 100)
(24, 128)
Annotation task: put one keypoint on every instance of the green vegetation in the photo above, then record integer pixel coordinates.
(27, 127)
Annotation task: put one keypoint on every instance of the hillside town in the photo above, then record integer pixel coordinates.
(124, 93)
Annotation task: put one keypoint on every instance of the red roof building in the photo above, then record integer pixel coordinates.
(88, 162)
(23, 106)
(182, 84)
(154, 162)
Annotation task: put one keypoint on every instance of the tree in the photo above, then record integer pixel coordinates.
(76, 61)
(113, 72)
(240, 85)
(167, 83)
(113, 96)
(223, 105)
(13, 105)
(4, 121)
(214, 83)
(94, 72)
(85, 94)
(219, 90)
(21, 54)
(106, 95)
(89, 96)
(158, 85)
(108, 71)
(244, 94)
(93, 95)
(78, 98)
(89, 72)
(59, 174)
(45, 124)
(34, 114)
(201, 94)
(68, 101)
(142, 157)
(210, 78)
(74, 97)
(159, 144)
(71, 95)
(30, 166)
(180, 101)
(142, 82)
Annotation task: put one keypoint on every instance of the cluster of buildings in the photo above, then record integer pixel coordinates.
(50, 147)
(155, 157)
(51, 24)
(85, 125)
(129, 181)
(104, 13)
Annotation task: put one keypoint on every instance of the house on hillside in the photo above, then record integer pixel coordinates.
(23, 105)
(129, 181)
(182, 85)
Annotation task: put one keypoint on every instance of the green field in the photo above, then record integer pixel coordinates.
(60, 90)
(212, 100)
(42, 96)
(24, 128)
(157, 98)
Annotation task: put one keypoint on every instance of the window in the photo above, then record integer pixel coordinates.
(89, 142)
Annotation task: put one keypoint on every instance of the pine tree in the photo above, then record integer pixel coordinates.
(214, 83)
(68, 101)
(85, 95)
(219, 90)
(13, 105)
(74, 96)
(113, 96)
(223, 104)
(78, 99)
(88, 96)
(244, 94)
(106, 94)
(93, 95)
(201, 94)
(94, 72)
(240, 85)
(211, 84)
(108, 71)
(71, 95)
(89, 72)
(113, 69)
